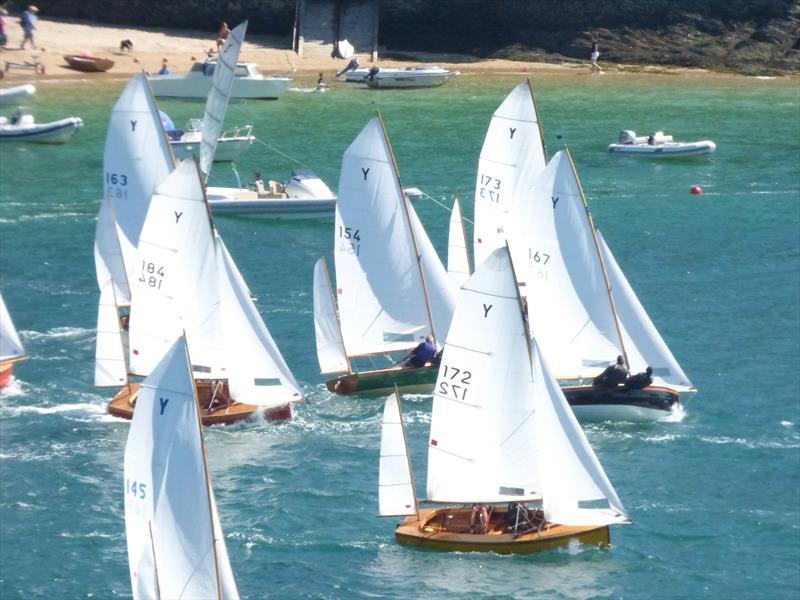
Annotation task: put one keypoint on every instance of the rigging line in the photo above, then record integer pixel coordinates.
(447, 208)
(263, 143)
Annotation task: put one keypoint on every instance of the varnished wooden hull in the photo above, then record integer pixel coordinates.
(6, 374)
(383, 381)
(594, 403)
(123, 404)
(432, 534)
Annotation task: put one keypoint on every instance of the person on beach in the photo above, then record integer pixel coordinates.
(28, 23)
(223, 35)
(594, 56)
(164, 68)
(3, 28)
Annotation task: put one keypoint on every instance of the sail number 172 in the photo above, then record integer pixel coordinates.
(454, 382)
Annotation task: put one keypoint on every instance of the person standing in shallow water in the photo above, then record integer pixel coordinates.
(594, 56)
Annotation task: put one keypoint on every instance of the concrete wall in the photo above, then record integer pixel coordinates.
(320, 23)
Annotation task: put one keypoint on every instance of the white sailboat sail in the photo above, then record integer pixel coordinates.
(513, 154)
(257, 372)
(575, 488)
(175, 284)
(643, 343)
(110, 366)
(175, 545)
(109, 264)
(330, 346)
(382, 299)
(11, 348)
(553, 246)
(137, 157)
(218, 96)
(457, 255)
(482, 440)
(396, 495)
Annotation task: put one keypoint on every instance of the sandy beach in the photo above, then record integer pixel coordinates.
(182, 47)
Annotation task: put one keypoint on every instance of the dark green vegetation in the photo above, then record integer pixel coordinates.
(746, 36)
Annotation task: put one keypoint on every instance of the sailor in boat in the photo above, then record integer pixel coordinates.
(640, 380)
(425, 352)
(479, 520)
(613, 375)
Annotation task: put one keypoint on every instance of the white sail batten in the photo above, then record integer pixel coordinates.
(170, 519)
(257, 372)
(110, 366)
(644, 344)
(575, 488)
(482, 444)
(395, 485)
(381, 299)
(458, 268)
(136, 159)
(330, 346)
(175, 285)
(218, 96)
(553, 247)
(512, 156)
(11, 347)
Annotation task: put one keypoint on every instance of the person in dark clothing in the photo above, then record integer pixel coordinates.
(613, 375)
(422, 354)
(640, 380)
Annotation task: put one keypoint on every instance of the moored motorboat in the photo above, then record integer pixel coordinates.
(409, 77)
(506, 456)
(88, 63)
(249, 82)
(231, 144)
(16, 94)
(22, 127)
(658, 144)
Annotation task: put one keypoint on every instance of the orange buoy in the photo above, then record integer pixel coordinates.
(696, 190)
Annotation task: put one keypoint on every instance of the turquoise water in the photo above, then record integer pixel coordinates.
(715, 496)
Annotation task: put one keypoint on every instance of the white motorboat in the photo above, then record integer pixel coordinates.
(409, 77)
(22, 127)
(249, 82)
(303, 196)
(230, 145)
(658, 144)
(17, 93)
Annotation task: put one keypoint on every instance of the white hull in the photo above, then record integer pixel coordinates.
(412, 77)
(55, 132)
(618, 412)
(228, 149)
(669, 149)
(16, 94)
(193, 86)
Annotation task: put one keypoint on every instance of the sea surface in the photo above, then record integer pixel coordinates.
(714, 493)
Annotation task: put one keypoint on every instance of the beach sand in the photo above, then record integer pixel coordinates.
(55, 38)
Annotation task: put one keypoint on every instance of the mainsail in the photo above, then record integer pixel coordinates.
(385, 302)
(176, 548)
(11, 348)
(111, 366)
(218, 96)
(513, 154)
(457, 254)
(330, 347)
(396, 494)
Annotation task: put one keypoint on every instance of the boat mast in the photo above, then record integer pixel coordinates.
(410, 228)
(336, 311)
(538, 121)
(612, 304)
(155, 562)
(205, 472)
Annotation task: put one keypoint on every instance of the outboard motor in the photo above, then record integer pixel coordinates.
(627, 136)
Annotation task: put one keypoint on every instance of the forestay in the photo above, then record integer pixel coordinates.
(257, 373)
(330, 347)
(552, 242)
(383, 306)
(482, 440)
(110, 366)
(218, 96)
(176, 548)
(175, 285)
(457, 254)
(396, 495)
(11, 347)
(575, 488)
(513, 154)
(643, 343)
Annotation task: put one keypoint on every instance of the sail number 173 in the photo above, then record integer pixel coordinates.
(454, 382)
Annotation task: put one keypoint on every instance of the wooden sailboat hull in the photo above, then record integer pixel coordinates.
(448, 530)
(123, 404)
(592, 403)
(6, 374)
(383, 381)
